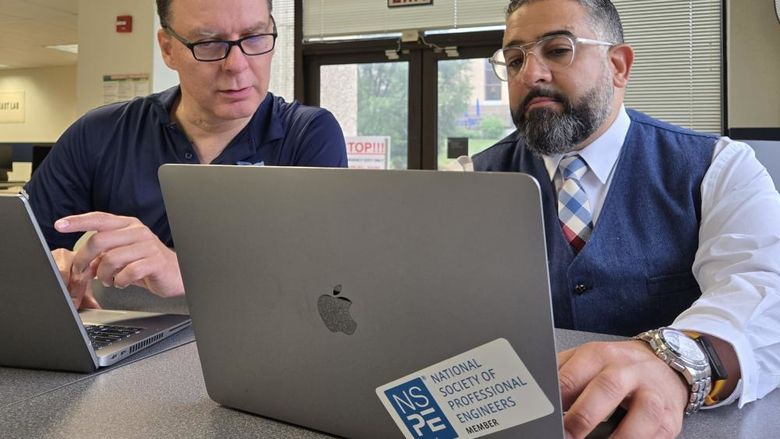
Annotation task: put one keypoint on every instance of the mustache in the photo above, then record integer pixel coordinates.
(543, 93)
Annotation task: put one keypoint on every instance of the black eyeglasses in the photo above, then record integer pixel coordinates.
(216, 50)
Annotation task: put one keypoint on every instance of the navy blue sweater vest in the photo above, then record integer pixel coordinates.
(635, 271)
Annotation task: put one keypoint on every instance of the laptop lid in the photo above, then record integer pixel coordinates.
(41, 328)
(370, 303)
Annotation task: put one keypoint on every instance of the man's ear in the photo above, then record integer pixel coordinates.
(621, 58)
(166, 47)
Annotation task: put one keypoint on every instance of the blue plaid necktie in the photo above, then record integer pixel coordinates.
(573, 205)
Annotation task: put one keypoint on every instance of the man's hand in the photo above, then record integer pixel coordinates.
(121, 252)
(596, 378)
(80, 290)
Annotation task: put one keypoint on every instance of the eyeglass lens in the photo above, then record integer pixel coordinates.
(215, 50)
(555, 53)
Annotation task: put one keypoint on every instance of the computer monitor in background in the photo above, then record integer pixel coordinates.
(39, 152)
(6, 161)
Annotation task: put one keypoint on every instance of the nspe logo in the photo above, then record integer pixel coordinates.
(419, 411)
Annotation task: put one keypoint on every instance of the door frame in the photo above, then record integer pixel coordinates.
(423, 60)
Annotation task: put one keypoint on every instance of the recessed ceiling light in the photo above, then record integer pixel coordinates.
(70, 48)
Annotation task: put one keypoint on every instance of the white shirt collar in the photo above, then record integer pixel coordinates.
(602, 154)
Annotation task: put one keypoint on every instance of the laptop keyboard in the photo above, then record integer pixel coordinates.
(103, 335)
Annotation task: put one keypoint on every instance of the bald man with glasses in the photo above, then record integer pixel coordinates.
(101, 176)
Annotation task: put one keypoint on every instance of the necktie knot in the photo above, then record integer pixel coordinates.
(573, 167)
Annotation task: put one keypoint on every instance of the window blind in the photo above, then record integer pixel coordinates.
(334, 18)
(283, 64)
(678, 64)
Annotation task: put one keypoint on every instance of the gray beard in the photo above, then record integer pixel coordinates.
(548, 132)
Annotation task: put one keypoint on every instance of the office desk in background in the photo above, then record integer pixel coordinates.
(163, 396)
(11, 187)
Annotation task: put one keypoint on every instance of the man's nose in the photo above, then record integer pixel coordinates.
(236, 60)
(534, 70)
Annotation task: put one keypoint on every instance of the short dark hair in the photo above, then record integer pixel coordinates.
(164, 10)
(602, 14)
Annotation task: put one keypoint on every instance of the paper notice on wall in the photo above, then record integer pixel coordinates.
(121, 88)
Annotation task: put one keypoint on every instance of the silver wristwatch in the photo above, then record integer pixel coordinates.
(684, 355)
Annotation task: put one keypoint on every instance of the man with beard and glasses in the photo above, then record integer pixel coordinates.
(648, 226)
(101, 175)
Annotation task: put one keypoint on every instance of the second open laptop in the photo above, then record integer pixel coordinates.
(370, 304)
(40, 327)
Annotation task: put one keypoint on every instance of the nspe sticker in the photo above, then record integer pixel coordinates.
(476, 393)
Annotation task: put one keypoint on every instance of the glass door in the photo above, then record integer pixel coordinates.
(473, 109)
(371, 102)
(410, 105)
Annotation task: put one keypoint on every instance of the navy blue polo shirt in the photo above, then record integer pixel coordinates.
(107, 160)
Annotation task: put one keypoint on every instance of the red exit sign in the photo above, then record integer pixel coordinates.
(400, 3)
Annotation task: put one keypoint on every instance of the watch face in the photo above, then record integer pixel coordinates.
(683, 345)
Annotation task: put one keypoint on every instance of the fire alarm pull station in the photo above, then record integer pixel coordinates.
(124, 23)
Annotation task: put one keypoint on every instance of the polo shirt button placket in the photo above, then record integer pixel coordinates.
(188, 155)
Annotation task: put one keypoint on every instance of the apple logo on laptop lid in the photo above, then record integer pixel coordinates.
(334, 311)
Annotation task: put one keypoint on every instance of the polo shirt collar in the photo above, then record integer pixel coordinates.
(253, 137)
(165, 100)
(264, 127)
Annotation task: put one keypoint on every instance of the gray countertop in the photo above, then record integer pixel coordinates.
(163, 395)
(18, 385)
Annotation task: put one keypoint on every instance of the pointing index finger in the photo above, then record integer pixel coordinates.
(92, 221)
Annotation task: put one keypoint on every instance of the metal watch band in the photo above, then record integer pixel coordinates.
(699, 380)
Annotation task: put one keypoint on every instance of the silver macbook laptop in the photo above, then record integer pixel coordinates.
(370, 304)
(41, 328)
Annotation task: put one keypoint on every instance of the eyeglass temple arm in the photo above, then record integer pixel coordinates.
(593, 42)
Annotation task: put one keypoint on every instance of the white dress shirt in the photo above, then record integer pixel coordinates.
(601, 157)
(737, 265)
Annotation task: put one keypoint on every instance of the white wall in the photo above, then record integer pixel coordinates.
(103, 51)
(50, 103)
(753, 64)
